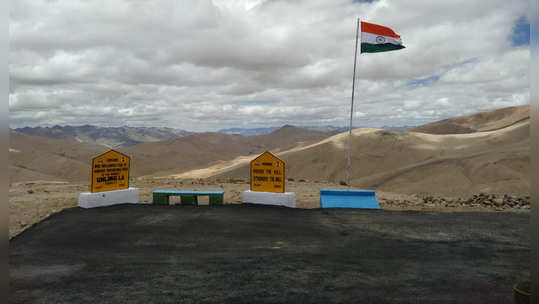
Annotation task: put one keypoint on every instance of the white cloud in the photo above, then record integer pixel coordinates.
(188, 64)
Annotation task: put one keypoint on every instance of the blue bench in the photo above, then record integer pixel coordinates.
(334, 198)
(161, 197)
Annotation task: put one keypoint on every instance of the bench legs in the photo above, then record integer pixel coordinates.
(216, 199)
(186, 199)
(163, 199)
(160, 199)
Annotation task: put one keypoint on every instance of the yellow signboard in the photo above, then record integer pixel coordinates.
(110, 171)
(267, 173)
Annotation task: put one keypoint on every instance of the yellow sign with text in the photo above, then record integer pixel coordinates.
(267, 173)
(110, 171)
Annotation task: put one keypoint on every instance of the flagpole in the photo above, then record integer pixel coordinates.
(349, 159)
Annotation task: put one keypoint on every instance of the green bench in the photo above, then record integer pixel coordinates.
(161, 197)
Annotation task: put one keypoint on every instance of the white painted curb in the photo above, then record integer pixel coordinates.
(287, 199)
(108, 198)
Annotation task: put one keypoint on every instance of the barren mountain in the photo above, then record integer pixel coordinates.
(42, 158)
(37, 157)
(495, 161)
(287, 137)
(204, 149)
(483, 121)
(410, 162)
(113, 137)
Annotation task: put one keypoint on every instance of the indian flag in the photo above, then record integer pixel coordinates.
(376, 38)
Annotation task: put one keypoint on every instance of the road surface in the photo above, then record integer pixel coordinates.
(266, 254)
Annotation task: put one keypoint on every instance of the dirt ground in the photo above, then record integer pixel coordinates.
(266, 254)
(31, 202)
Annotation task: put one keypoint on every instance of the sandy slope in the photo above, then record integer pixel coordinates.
(201, 150)
(483, 121)
(408, 162)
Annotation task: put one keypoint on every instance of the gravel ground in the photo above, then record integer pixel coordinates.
(263, 254)
(31, 202)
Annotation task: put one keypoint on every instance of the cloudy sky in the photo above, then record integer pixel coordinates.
(205, 65)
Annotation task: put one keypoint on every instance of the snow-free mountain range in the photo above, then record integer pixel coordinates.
(484, 152)
(126, 136)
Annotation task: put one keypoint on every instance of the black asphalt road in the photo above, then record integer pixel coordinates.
(263, 254)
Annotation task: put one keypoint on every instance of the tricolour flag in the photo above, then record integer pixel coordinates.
(376, 38)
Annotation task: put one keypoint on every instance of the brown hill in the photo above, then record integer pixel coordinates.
(483, 121)
(287, 137)
(42, 158)
(204, 149)
(412, 162)
(37, 157)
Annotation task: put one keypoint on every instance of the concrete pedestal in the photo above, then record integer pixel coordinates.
(341, 198)
(287, 199)
(107, 198)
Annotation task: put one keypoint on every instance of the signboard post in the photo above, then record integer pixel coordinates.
(110, 171)
(109, 183)
(267, 173)
(268, 182)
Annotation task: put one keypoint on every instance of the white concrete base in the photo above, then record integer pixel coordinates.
(287, 199)
(107, 198)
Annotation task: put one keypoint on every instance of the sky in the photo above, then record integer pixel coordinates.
(206, 65)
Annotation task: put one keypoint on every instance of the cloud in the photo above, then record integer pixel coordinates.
(207, 65)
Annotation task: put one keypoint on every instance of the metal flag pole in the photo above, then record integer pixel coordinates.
(349, 159)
